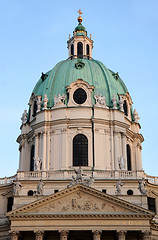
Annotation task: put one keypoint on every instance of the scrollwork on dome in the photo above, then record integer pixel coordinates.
(79, 64)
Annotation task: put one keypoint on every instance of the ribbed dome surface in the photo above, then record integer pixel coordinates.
(94, 72)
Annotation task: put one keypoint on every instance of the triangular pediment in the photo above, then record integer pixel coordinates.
(79, 199)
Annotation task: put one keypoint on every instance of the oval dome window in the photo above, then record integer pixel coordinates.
(80, 96)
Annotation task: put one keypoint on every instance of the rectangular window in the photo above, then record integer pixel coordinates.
(151, 204)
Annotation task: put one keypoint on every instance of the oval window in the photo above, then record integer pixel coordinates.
(80, 96)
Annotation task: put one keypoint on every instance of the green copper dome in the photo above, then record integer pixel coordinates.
(80, 30)
(105, 81)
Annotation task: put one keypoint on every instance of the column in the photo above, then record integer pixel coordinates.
(14, 235)
(36, 145)
(146, 235)
(44, 152)
(39, 235)
(121, 235)
(124, 152)
(96, 235)
(48, 151)
(64, 235)
(116, 149)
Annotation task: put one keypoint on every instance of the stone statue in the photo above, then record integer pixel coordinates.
(136, 117)
(40, 187)
(39, 103)
(17, 187)
(118, 185)
(72, 183)
(121, 101)
(45, 101)
(142, 186)
(60, 100)
(122, 163)
(80, 180)
(37, 164)
(100, 101)
(24, 117)
(90, 181)
(79, 175)
(114, 101)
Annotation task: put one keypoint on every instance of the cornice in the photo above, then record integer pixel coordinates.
(111, 216)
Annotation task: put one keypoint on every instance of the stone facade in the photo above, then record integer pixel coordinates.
(108, 196)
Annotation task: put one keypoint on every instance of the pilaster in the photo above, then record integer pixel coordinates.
(44, 152)
(124, 151)
(116, 149)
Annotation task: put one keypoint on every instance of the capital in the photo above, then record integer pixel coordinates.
(96, 234)
(14, 235)
(39, 235)
(64, 234)
(121, 234)
(146, 235)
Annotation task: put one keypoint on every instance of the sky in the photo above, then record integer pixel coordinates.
(34, 36)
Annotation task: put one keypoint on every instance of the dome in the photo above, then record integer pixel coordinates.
(80, 30)
(94, 72)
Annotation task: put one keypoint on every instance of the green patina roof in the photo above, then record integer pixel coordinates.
(80, 30)
(105, 81)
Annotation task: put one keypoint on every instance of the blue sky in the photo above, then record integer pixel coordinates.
(33, 39)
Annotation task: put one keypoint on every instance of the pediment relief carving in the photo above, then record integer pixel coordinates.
(79, 202)
(79, 199)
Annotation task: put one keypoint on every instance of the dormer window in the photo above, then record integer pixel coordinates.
(79, 50)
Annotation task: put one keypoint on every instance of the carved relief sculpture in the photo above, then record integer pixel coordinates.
(59, 100)
(100, 101)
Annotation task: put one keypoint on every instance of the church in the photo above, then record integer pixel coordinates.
(80, 170)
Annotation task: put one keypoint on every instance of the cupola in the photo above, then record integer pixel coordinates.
(80, 45)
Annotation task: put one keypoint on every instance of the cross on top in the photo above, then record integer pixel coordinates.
(79, 12)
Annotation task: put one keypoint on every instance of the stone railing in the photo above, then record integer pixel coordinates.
(7, 180)
(67, 175)
(151, 179)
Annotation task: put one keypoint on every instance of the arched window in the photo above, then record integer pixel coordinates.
(32, 158)
(79, 50)
(80, 150)
(87, 51)
(125, 108)
(128, 158)
(72, 50)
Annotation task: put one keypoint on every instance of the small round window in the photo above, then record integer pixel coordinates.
(80, 96)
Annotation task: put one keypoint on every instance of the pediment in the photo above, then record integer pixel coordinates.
(79, 199)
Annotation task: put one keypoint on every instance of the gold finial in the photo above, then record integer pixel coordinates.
(90, 36)
(79, 11)
(79, 18)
